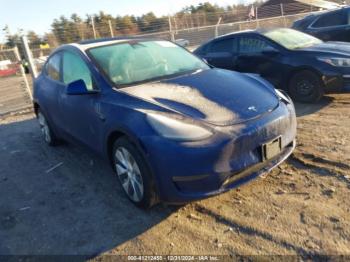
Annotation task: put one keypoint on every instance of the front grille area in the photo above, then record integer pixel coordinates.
(260, 167)
(346, 80)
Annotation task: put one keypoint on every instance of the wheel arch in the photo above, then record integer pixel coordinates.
(120, 132)
(36, 107)
(117, 133)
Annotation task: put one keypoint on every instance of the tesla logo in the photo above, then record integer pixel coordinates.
(252, 108)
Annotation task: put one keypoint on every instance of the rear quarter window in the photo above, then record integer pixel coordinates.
(53, 67)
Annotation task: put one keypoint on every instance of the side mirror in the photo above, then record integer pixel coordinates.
(78, 87)
(270, 51)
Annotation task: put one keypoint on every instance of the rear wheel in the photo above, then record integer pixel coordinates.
(47, 132)
(133, 173)
(306, 87)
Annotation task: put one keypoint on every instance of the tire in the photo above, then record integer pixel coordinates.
(49, 136)
(133, 174)
(306, 87)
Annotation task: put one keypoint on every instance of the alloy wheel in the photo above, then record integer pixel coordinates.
(305, 87)
(129, 174)
(45, 130)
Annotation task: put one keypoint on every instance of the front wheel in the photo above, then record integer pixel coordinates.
(306, 87)
(133, 173)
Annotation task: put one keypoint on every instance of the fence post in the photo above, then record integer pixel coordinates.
(283, 17)
(111, 28)
(93, 26)
(23, 73)
(256, 17)
(172, 37)
(217, 27)
(29, 57)
(281, 9)
(175, 23)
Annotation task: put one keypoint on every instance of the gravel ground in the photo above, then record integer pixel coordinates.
(64, 200)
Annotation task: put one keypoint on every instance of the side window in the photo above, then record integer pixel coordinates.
(332, 19)
(252, 45)
(53, 67)
(227, 45)
(74, 68)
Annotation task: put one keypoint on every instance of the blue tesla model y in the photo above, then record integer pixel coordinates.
(173, 128)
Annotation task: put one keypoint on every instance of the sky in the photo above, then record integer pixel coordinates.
(37, 15)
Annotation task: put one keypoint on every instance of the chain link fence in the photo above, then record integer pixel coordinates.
(197, 36)
(175, 27)
(15, 95)
(189, 29)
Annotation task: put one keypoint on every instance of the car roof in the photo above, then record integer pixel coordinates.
(319, 13)
(87, 44)
(258, 31)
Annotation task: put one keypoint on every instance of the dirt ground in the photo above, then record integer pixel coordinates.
(65, 200)
(14, 95)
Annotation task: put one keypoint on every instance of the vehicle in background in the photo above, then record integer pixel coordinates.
(182, 42)
(304, 66)
(329, 26)
(173, 128)
(8, 68)
(25, 65)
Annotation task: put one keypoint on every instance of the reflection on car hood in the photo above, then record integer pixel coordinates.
(339, 48)
(215, 96)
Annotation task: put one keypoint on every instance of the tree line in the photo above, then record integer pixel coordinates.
(76, 28)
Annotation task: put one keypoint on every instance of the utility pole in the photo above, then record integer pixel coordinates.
(29, 57)
(93, 26)
(110, 28)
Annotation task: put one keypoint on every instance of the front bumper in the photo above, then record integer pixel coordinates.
(196, 170)
(336, 80)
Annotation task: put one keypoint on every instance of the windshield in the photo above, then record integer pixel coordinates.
(291, 39)
(139, 61)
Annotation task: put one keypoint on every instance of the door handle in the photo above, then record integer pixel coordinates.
(99, 113)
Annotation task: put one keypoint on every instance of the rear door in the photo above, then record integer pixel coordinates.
(221, 53)
(332, 26)
(52, 87)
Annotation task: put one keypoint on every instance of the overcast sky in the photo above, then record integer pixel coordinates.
(38, 15)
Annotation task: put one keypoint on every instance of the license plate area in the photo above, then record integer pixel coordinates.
(271, 149)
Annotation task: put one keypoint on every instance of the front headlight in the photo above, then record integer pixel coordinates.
(176, 129)
(336, 61)
(283, 96)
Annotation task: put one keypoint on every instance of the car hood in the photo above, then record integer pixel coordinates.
(216, 96)
(338, 48)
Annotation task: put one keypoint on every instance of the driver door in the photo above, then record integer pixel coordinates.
(252, 58)
(80, 112)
